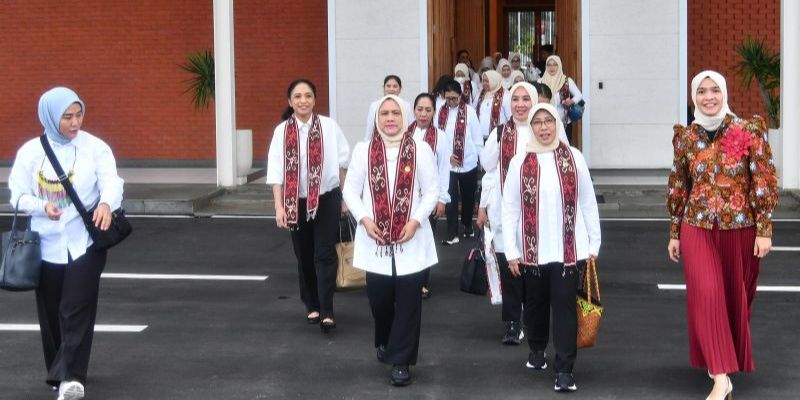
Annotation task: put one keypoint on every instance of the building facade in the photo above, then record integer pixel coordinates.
(123, 58)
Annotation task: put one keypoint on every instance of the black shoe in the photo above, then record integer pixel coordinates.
(469, 233)
(565, 382)
(401, 376)
(327, 325)
(381, 353)
(513, 333)
(537, 360)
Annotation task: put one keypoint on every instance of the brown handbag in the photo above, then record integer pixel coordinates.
(347, 276)
(589, 308)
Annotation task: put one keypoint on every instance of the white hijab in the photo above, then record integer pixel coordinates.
(511, 56)
(531, 92)
(514, 74)
(533, 145)
(461, 67)
(392, 141)
(494, 79)
(507, 82)
(554, 82)
(710, 122)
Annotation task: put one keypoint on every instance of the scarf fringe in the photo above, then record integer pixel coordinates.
(388, 250)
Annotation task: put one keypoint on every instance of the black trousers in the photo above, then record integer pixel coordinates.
(397, 310)
(427, 281)
(553, 287)
(315, 249)
(66, 302)
(513, 290)
(462, 188)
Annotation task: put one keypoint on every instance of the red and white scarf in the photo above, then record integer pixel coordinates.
(460, 134)
(466, 92)
(391, 214)
(291, 169)
(430, 136)
(497, 101)
(508, 149)
(529, 192)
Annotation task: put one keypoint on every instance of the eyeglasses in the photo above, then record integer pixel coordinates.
(552, 65)
(537, 124)
(452, 98)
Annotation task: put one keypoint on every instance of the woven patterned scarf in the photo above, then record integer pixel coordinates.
(466, 92)
(460, 134)
(430, 136)
(391, 214)
(508, 149)
(529, 191)
(497, 101)
(291, 169)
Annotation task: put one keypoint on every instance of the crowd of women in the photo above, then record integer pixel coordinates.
(418, 162)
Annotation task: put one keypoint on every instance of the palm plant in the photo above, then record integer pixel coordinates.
(201, 85)
(761, 63)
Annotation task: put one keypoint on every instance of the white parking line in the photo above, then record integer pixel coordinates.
(110, 275)
(97, 328)
(785, 248)
(790, 289)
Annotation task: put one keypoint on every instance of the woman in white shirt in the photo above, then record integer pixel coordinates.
(391, 85)
(462, 127)
(70, 278)
(494, 103)
(305, 167)
(552, 227)
(391, 189)
(423, 130)
(504, 143)
(565, 91)
(504, 69)
(469, 93)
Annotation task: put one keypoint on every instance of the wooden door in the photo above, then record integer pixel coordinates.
(441, 39)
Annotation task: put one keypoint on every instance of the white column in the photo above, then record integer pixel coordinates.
(225, 93)
(790, 93)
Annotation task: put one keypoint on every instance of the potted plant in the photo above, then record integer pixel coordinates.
(762, 64)
(200, 65)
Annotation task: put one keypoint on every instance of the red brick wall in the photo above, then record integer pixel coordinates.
(716, 27)
(122, 59)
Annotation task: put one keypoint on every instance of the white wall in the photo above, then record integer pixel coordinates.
(635, 51)
(790, 95)
(372, 39)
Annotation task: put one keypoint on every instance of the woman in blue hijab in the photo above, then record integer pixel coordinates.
(67, 295)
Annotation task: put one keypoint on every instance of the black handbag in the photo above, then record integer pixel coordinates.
(473, 271)
(103, 240)
(21, 265)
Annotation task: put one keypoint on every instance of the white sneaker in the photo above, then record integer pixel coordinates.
(72, 390)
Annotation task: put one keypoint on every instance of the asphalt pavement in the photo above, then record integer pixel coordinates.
(248, 339)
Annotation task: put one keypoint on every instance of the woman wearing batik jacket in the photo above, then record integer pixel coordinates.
(721, 194)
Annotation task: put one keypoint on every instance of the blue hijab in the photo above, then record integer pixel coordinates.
(52, 106)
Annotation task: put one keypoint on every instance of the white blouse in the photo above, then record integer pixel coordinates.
(419, 252)
(443, 152)
(473, 140)
(94, 177)
(373, 108)
(491, 196)
(334, 145)
(551, 243)
(486, 113)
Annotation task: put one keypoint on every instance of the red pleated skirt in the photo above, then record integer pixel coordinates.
(721, 274)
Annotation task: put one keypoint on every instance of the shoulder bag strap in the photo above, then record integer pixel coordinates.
(87, 219)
